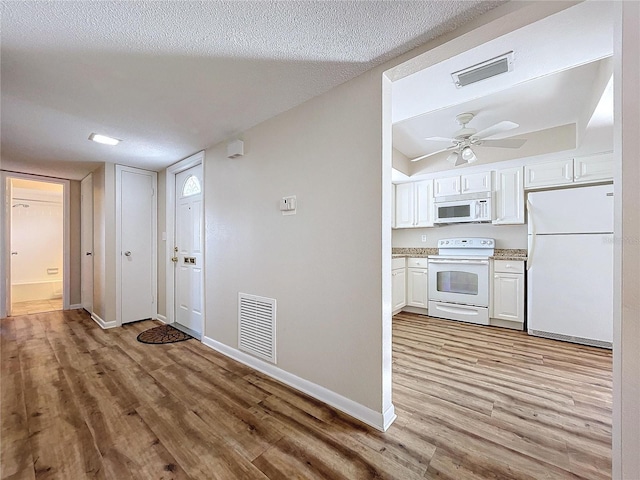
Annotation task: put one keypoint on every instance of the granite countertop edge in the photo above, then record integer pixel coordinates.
(512, 254)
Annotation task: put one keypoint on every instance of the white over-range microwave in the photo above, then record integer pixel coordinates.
(472, 207)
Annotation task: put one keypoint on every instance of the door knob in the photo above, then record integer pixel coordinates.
(127, 253)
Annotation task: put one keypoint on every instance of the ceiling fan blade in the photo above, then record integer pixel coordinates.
(434, 153)
(440, 139)
(503, 143)
(499, 127)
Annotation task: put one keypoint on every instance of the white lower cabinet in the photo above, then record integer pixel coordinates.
(508, 292)
(417, 283)
(398, 284)
(409, 285)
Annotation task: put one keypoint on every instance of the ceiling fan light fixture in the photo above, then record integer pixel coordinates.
(453, 158)
(468, 155)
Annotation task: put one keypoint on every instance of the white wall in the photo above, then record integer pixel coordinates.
(323, 265)
(37, 235)
(506, 236)
(104, 243)
(626, 339)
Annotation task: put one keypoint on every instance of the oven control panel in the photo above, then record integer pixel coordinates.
(466, 243)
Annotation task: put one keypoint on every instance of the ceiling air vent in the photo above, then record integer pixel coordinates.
(257, 326)
(484, 70)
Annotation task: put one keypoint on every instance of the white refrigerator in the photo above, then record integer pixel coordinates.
(570, 265)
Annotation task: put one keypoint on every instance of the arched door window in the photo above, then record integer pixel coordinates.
(191, 186)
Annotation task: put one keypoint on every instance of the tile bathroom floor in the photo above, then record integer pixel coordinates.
(36, 306)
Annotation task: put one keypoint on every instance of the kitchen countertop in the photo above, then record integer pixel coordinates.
(397, 252)
(513, 254)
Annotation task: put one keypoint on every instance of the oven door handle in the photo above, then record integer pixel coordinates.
(460, 262)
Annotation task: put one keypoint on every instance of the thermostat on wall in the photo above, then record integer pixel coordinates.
(288, 205)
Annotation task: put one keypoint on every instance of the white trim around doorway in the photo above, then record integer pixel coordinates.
(5, 281)
(172, 171)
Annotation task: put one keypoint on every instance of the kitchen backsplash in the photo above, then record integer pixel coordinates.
(506, 236)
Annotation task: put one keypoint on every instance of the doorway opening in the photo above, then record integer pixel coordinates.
(36, 244)
(434, 156)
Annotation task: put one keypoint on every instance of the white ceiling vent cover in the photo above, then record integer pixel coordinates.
(484, 70)
(257, 326)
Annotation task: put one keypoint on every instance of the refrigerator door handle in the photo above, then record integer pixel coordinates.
(531, 236)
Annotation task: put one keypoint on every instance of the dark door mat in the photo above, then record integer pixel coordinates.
(163, 334)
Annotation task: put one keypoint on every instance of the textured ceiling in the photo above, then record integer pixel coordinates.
(171, 78)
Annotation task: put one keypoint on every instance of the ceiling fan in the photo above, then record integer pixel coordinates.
(467, 137)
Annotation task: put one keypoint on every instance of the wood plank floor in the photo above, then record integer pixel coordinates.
(473, 402)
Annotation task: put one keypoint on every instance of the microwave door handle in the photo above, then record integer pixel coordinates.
(477, 209)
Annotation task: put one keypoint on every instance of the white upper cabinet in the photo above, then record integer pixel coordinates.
(471, 183)
(509, 197)
(593, 168)
(548, 174)
(424, 209)
(446, 186)
(405, 204)
(414, 204)
(588, 169)
(476, 182)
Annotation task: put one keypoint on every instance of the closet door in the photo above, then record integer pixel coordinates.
(86, 243)
(136, 243)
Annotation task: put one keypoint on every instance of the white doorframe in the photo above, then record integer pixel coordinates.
(5, 265)
(154, 242)
(172, 171)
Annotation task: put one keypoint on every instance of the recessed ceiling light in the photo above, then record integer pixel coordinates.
(96, 137)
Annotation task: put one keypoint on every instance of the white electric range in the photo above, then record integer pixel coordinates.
(459, 279)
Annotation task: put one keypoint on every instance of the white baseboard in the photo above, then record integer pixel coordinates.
(162, 318)
(377, 420)
(104, 325)
(418, 310)
(75, 306)
(388, 417)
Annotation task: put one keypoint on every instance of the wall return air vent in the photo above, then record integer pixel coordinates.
(482, 71)
(257, 326)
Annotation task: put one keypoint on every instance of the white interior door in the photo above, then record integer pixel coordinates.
(86, 242)
(188, 250)
(137, 243)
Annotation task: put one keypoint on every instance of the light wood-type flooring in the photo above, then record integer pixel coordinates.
(79, 402)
